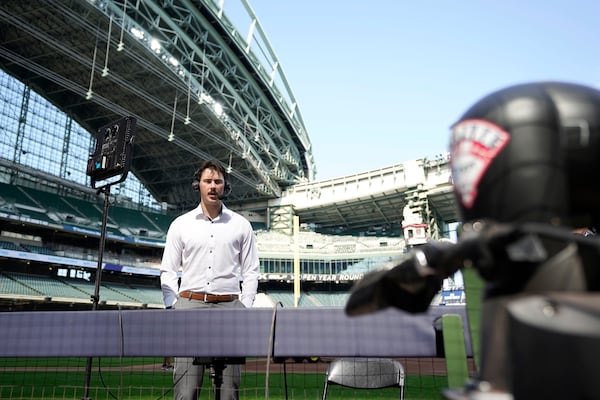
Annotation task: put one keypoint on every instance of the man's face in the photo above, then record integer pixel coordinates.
(212, 185)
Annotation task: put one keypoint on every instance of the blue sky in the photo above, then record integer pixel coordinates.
(381, 82)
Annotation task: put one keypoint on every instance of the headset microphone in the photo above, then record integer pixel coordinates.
(224, 195)
(226, 191)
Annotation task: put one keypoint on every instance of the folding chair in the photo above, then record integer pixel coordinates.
(365, 373)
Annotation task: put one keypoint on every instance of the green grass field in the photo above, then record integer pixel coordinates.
(142, 378)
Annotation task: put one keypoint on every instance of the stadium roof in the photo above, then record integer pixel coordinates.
(196, 87)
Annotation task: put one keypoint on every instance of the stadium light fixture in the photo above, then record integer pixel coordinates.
(218, 108)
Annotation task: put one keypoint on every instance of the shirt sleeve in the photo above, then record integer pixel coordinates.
(250, 266)
(169, 266)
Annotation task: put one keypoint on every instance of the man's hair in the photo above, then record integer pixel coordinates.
(212, 164)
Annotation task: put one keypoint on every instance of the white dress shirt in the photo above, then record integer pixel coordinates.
(214, 255)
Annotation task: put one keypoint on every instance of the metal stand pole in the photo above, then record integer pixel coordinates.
(217, 375)
(96, 295)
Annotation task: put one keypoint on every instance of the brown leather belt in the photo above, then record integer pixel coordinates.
(207, 297)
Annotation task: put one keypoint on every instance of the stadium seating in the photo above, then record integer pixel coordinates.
(286, 298)
(81, 208)
(48, 287)
(70, 290)
(18, 196)
(331, 299)
(12, 287)
(134, 223)
(10, 246)
(30, 203)
(37, 249)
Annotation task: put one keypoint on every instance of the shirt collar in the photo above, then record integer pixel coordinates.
(200, 211)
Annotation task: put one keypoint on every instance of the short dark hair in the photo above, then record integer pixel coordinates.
(215, 165)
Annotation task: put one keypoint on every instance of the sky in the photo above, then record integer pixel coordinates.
(381, 82)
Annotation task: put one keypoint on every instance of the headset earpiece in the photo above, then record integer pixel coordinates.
(196, 181)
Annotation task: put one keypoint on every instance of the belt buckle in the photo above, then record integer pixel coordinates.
(205, 297)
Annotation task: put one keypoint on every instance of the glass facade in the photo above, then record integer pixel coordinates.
(36, 134)
(307, 265)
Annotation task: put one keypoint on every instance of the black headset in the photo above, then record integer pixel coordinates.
(196, 180)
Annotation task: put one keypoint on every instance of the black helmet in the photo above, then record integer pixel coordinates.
(529, 153)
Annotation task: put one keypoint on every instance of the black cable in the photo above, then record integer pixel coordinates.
(121, 346)
(102, 380)
(121, 353)
(173, 386)
(285, 385)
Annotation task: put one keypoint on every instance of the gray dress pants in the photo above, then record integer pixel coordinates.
(188, 377)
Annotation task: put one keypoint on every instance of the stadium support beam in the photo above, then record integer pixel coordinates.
(281, 219)
(19, 150)
(296, 260)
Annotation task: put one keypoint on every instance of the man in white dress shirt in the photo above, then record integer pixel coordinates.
(216, 250)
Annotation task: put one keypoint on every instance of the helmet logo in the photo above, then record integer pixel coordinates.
(473, 146)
